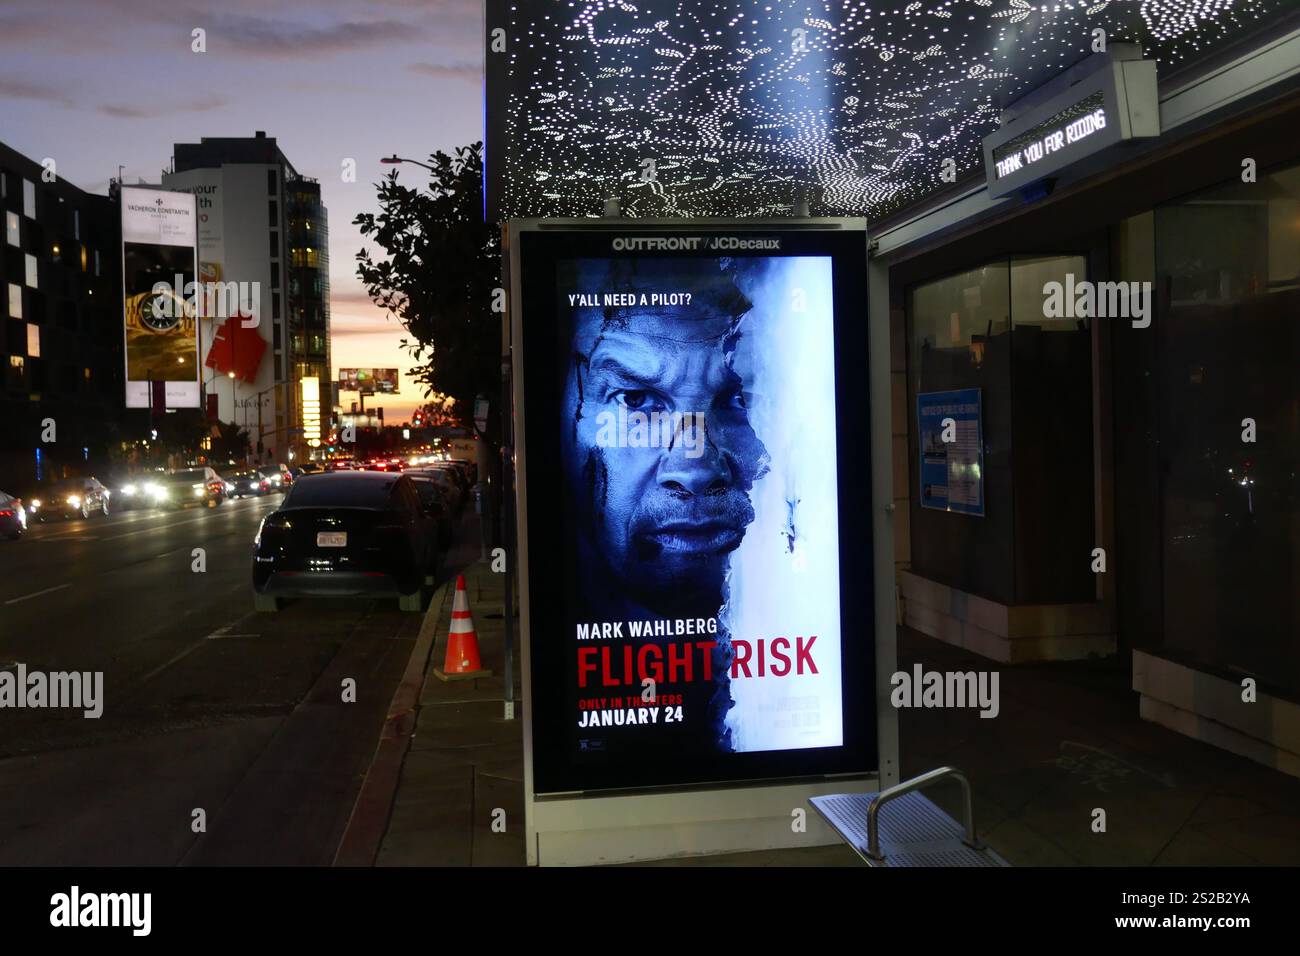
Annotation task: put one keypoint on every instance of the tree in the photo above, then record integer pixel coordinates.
(230, 442)
(442, 263)
(439, 410)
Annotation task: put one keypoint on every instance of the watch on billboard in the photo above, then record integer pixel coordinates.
(692, 470)
(159, 251)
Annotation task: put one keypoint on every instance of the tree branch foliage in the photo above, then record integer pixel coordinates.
(440, 262)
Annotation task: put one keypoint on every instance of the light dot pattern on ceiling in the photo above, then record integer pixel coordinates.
(706, 108)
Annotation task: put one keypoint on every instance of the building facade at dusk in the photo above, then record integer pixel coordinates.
(309, 290)
(251, 201)
(62, 342)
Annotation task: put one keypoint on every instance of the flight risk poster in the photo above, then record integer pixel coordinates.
(690, 441)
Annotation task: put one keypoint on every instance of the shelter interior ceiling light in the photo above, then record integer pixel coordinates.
(700, 108)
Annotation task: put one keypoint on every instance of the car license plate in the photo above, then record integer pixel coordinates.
(331, 539)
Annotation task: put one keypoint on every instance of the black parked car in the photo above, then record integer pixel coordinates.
(435, 506)
(452, 494)
(346, 534)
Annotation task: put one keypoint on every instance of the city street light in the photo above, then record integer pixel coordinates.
(395, 159)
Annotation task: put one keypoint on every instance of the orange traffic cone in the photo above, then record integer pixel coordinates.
(461, 662)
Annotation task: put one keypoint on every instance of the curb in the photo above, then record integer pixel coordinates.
(364, 833)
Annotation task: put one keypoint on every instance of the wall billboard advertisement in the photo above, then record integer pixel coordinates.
(691, 465)
(206, 186)
(159, 243)
(368, 381)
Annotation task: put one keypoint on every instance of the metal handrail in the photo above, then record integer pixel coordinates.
(908, 786)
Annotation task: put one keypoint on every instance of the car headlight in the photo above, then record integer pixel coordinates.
(156, 490)
(229, 488)
(128, 490)
(36, 503)
(74, 501)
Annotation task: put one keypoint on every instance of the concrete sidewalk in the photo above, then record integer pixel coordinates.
(1068, 741)
(465, 761)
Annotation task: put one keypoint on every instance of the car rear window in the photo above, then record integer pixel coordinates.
(341, 489)
(197, 474)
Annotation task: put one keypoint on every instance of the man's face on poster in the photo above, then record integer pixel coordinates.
(659, 452)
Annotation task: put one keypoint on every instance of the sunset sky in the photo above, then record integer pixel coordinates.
(95, 84)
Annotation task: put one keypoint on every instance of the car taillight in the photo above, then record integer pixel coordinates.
(6, 513)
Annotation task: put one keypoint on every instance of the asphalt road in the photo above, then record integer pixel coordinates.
(207, 706)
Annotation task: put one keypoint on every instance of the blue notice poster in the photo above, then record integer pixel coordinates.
(951, 439)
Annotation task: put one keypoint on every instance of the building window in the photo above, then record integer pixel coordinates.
(275, 275)
(15, 301)
(29, 199)
(4, 185)
(33, 341)
(271, 185)
(1228, 259)
(11, 228)
(16, 365)
(988, 331)
(76, 224)
(275, 305)
(275, 337)
(31, 270)
(275, 244)
(85, 373)
(83, 258)
(96, 262)
(272, 212)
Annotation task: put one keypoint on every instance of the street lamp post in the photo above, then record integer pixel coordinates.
(258, 396)
(395, 159)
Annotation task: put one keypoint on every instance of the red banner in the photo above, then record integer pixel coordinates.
(237, 348)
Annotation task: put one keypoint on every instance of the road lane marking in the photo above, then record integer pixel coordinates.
(224, 631)
(158, 527)
(221, 632)
(35, 594)
(162, 667)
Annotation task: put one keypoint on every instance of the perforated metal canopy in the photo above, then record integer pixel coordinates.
(705, 108)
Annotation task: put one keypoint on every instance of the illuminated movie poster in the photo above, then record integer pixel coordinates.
(159, 259)
(694, 418)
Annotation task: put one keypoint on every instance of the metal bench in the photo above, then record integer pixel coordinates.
(914, 832)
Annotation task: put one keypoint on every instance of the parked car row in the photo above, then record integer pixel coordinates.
(356, 533)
